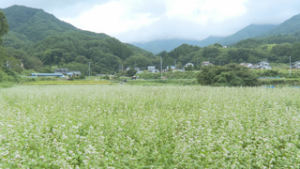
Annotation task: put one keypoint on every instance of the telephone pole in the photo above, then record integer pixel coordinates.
(89, 70)
(290, 66)
(160, 68)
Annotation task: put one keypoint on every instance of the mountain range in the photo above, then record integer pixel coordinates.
(290, 26)
(41, 42)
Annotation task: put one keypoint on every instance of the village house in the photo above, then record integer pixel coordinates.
(296, 65)
(262, 65)
(248, 65)
(206, 63)
(151, 68)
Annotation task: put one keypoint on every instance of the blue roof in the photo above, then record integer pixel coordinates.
(46, 74)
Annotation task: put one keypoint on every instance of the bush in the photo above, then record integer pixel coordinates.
(228, 75)
(105, 77)
(131, 72)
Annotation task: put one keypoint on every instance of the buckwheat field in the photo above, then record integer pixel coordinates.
(96, 126)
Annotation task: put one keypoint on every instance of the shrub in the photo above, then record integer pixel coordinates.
(228, 75)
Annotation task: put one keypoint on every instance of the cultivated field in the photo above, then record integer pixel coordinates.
(101, 126)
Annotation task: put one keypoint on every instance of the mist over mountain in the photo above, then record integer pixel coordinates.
(250, 31)
(290, 26)
(170, 44)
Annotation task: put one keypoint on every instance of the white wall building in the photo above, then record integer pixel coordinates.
(296, 65)
(206, 63)
(262, 65)
(151, 68)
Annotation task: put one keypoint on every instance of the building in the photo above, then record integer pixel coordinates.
(189, 64)
(151, 68)
(47, 75)
(154, 71)
(61, 70)
(206, 63)
(172, 67)
(262, 65)
(296, 65)
(136, 68)
(248, 65)
(224, 47)
(76, 73)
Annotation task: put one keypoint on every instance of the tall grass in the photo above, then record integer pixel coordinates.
(96, 126)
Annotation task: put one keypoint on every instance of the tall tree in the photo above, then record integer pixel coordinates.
(3, 25)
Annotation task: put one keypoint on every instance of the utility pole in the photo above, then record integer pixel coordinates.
(290, 66)
(219, 63)
(197, 63)
(89, 70)
(160, 67)
(134, 64)
(175, 63)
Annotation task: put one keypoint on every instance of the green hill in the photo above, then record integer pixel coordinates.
(41, 40)
(248, 32)
(288, 27)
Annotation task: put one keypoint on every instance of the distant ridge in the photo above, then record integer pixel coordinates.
(290, 26)
(250, 31)
(158, 46)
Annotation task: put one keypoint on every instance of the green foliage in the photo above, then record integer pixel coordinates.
(106, 77)
(3, 25)
(131, 72)
(228, 75)
(169, 75)
(189, 68)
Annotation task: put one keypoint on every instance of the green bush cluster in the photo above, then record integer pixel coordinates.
(228, 75)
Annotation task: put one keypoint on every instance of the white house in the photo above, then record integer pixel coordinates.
(189, 64)
(296, 65)
(248, 65)
(206, 63)
(262, 65)
(154, 71)
(151, 68)
(172, 67)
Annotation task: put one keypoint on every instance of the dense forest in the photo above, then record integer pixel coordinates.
(34, 40)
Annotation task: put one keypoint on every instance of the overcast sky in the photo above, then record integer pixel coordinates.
(146, 20)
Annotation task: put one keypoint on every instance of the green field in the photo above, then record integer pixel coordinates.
(103, 126)
(66, 82)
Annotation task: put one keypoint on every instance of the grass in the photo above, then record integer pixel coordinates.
(6, 84)
(181, 82)
(91, 126)
(75, 82)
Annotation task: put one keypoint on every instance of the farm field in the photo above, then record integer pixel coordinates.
(65, 82)
(117, 126)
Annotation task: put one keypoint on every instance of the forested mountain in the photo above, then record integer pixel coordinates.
(170, 44)
(41, 40)
(288, 27)
(247, 32)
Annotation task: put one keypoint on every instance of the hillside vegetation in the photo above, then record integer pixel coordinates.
(41, 41)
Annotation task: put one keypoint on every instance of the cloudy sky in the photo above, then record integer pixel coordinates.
(146, 20)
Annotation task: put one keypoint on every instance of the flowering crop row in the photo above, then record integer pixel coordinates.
(100, 126)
